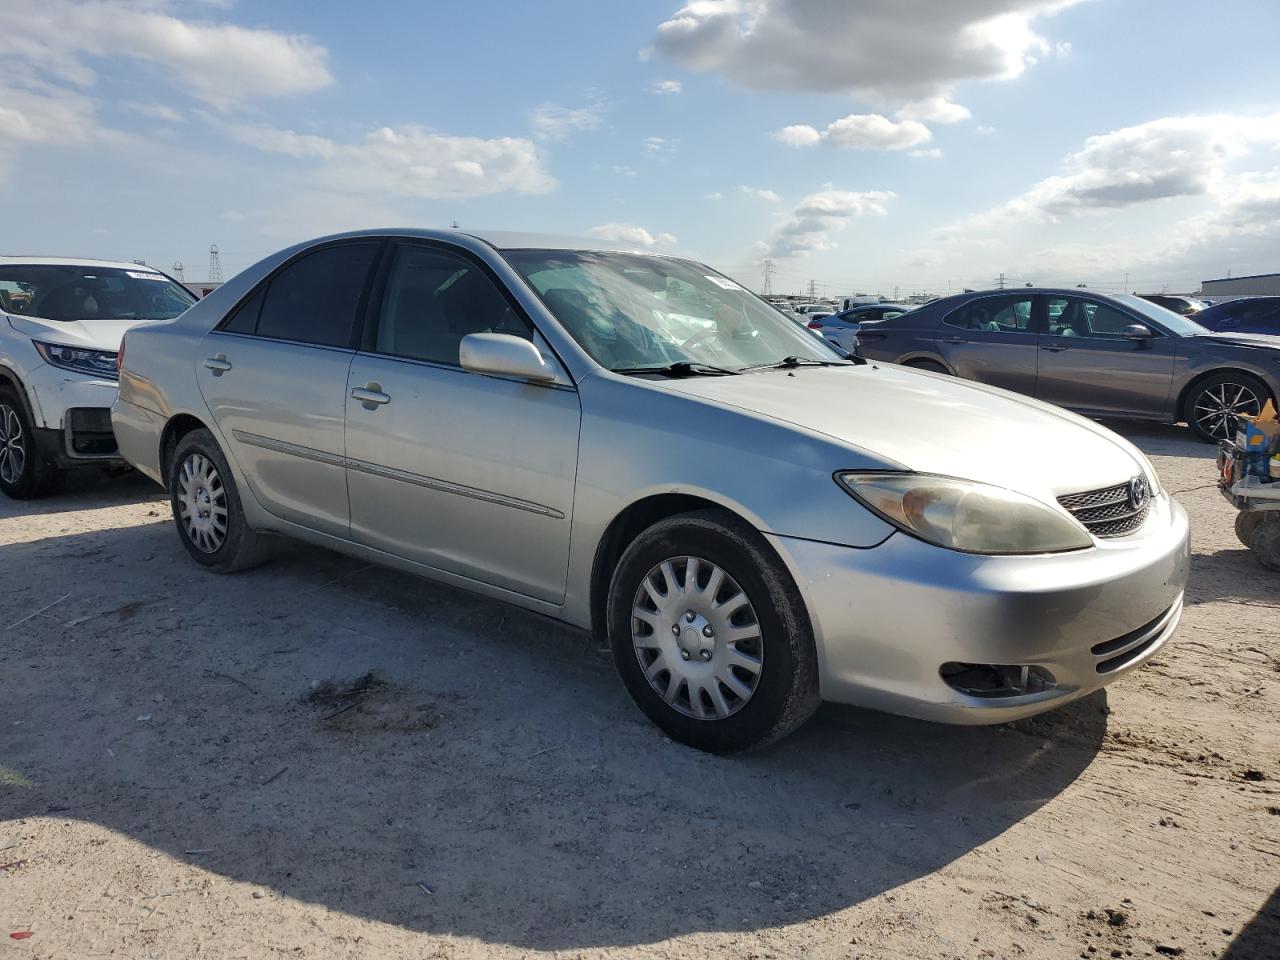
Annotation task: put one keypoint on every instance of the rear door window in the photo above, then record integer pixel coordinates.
(315, 299)
(993, 315)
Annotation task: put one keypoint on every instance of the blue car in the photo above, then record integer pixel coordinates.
(1247, 315)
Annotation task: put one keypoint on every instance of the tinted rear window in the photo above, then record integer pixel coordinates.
(315, 299)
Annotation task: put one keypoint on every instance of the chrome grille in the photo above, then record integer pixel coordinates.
(1109, 512)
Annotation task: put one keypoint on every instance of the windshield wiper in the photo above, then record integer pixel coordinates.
(681, 368)
(788, 362)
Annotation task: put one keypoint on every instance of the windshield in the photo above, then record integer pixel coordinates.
(90, 293)
(632, 311)
(1175, 323)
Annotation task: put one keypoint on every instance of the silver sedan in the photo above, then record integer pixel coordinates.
(615, 439)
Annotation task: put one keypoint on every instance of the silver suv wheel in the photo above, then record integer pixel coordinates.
(13, 445)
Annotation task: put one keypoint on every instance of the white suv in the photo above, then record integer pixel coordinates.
(61, 325)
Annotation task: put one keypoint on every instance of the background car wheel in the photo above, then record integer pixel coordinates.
(1214, 405)
(931, 365)
(1265, 540)
(206, 508)
(710, 635)
(24, 474)
(1246, 520)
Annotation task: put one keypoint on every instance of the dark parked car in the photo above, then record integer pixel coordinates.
(1249, 315)
(1100, 355)
(1182, 306)
(840, 328)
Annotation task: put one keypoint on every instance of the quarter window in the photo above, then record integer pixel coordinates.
(313, 300)
(993, 315)
(435, 298)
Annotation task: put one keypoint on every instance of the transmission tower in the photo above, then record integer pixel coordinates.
(813, 289)
(769, 269)
(215, 264)
(1000, 281)
(177, 270)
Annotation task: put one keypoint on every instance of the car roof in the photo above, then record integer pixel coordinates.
(8, 260)
(506, 240)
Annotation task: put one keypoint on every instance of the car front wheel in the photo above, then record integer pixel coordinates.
(710, 635)
(207, 510)
(1214, 406)
(24, 474)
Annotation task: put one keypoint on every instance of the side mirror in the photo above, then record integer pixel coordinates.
(503, 355)
(1138, 331)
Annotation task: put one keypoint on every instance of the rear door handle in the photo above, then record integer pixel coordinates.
(218, 364)
(1053, 348)
(370, 395)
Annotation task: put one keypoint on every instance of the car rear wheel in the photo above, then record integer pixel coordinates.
(710, 635)
(24, 474)
(931, 365)
(1214, 406)
(206, 508)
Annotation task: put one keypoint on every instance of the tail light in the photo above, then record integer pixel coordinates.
(815, 324)
(120, 357)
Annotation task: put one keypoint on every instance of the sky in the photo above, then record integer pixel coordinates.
(878, 146)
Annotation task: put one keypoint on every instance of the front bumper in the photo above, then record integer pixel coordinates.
(73, 417)
(887, 619)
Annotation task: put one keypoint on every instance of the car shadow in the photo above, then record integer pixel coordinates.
(1163, 439)
(1260, 938)
(1233, 575)
(489, 779)
(86, 489)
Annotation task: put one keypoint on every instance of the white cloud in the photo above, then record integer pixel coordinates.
(550, 121)
(768, 196)
(717, 195)
(889, 51)
(156, 111)
(658, 145)
(219, 63)
(632, 234)
(666, 87)
(858, 131)
(934, 110)
(1162, 159)
(984, 129)
(51, 117)
(411, 161)
(810, 227)
(932, 154)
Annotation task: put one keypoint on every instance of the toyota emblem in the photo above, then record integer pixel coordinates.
(1139, 493)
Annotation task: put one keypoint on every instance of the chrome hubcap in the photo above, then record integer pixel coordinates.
(1218, 409)
(697, 638)
(202, 503)
(13, 445)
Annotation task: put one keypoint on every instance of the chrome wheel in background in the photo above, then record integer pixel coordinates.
(1218, 408)
(13, 445)
(202, 503)
(697, 637)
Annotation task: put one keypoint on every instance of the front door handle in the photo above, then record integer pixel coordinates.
(370, 395)
(218, 364)
(1053, 348)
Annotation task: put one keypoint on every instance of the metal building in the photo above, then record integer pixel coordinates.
(1258, 285)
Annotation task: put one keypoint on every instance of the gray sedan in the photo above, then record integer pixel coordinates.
(525, 418)
(1100, 355)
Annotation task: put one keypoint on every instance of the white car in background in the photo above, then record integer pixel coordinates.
(61, 324)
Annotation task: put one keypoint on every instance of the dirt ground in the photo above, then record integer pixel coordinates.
(202, 766)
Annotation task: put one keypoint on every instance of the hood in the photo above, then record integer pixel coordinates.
(932, 423)
(1267, 340)
(89, 334)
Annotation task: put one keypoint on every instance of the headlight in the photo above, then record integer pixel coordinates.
(966, 516)
(95, 363)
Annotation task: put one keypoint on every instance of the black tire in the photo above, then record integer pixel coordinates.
(933, 366)
(786, 690)
(1203, 398)
(1246, 520)
(1265, 540)
(24, 473)
(236, 547)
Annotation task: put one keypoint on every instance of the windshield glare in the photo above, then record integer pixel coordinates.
(1175, 323)
(631, 311)
(67, 293)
